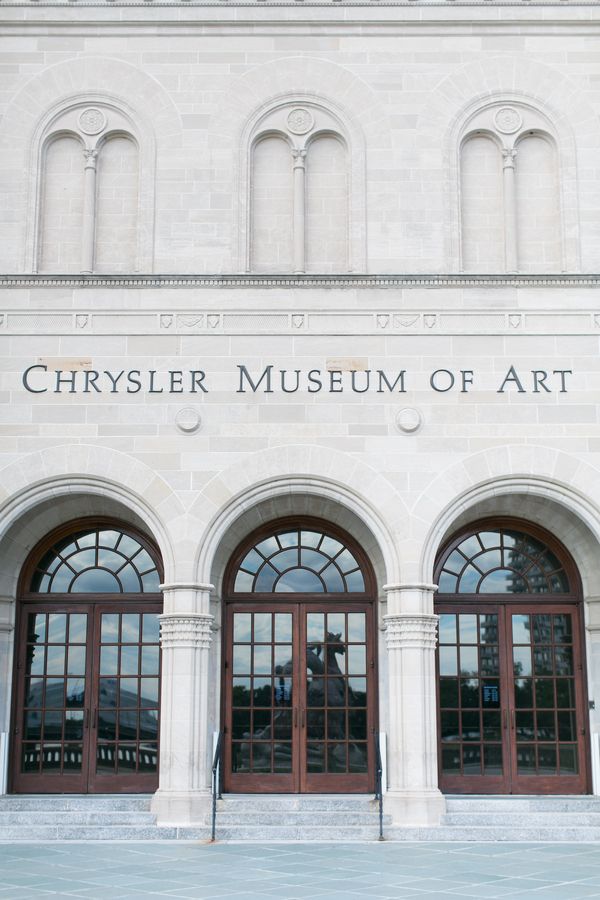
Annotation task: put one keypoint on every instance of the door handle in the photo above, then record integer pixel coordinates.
(295, 717)
(506, 720)
(95, 719)
(302, 718)
(512, 719)
(86, 718)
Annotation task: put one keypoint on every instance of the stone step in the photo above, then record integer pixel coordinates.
(233, 817)
(298, 802)
(533, 819)
(291, 832)
(519, 803)
(70, 817)
(64, 802)
(33, 833)
(494, 833)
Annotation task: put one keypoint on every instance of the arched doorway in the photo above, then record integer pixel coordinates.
(87, 676)
(511, 687)
(299, 662)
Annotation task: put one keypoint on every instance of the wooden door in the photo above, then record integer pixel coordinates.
(299, 697)
(87, 698)
(511, 699)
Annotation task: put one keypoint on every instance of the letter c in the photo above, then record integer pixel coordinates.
(26, 382)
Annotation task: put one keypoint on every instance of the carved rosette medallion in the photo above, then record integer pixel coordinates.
(419, 632)
(409, 420)
(300, 120)
(92, 120)
(186, 631)
(187, 420)
(508, 120)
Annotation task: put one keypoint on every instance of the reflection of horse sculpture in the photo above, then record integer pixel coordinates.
(281, 727)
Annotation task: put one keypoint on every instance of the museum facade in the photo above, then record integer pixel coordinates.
(300, 400)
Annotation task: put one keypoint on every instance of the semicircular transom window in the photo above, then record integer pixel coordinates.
(299, 561)
(502, 561)
(97, 561)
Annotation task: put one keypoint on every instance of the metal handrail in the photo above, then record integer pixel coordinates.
(216, 784)
(378, 783)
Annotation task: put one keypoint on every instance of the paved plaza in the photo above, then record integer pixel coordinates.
(315, 871)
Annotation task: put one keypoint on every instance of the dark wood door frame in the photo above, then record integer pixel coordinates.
(511, 782)
(300, 780)
(87, 780)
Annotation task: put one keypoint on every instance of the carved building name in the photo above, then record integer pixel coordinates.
(41, 379)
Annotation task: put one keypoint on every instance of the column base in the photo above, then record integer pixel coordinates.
(414, 807)
(182, 807)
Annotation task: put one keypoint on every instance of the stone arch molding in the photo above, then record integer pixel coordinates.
(154, 121)
(282, 83)
(59, 474)
(492, 83)
(267, 484)
(489, 482)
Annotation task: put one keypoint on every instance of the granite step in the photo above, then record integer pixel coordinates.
(71, 817)
(522, 803)
(491, 833)
(524, 818)
(66, 802)
(33, 833)
(298, 802)
(291, 832)
(306, 818)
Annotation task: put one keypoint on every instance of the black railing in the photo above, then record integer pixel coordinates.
(216, 783)
(378, 783)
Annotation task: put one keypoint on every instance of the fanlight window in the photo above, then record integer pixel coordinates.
(502, 562)
(96, 561)
(299, 561)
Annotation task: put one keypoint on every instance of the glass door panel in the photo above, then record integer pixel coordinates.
(471, 694)
(334, 718)
(52, 716)
(126, 699)
(261, 691)
(548, 744)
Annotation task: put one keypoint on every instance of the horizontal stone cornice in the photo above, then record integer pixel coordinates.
(299, 281)
(410, 586)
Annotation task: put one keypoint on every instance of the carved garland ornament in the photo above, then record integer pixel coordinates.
(404, 631)
(186, 631)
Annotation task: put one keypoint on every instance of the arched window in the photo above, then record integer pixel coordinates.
(96, 560)
(502, 561)
(299, 560)
(510, 205)
(299, 191)
(89, 192)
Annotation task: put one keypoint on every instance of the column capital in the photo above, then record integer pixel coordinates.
(509, 156)
(407, 630)
(187, 630)
(90, 158)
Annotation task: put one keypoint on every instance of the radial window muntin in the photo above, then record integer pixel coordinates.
(501, 561)
(299, 560)
(100, 559)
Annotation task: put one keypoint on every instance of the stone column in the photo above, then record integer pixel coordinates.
(89, 212)
(184, 795)
(510, 211)
(413, 796)
(7, 609)
(299, 210)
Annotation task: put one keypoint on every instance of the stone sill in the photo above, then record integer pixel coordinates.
(300, 281)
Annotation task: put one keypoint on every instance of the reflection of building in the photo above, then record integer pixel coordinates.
(284, 306)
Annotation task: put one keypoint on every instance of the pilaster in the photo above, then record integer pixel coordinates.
(413, 797)
(183, 796)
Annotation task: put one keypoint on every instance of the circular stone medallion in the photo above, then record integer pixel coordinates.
(92, 120)
(300, 121)
(508, 120)
(409, 420)
(188, 420)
